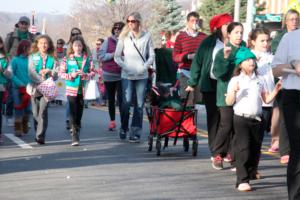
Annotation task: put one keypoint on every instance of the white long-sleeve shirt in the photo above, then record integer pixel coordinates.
(288, 50)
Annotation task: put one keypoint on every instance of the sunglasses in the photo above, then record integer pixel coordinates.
(24, 23)
(73, 34)
(117, 28)
(132, 21)
(98, 44)
(60, 43)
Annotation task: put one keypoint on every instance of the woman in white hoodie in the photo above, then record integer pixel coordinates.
(135, 55)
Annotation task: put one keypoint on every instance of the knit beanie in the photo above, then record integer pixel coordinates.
(219, 20)
(243, 54)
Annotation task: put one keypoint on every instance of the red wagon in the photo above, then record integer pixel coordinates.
(169, 123)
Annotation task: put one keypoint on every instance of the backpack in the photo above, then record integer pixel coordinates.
(11, 39)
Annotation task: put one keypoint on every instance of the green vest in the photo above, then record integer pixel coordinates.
(72, 66)
(3, 65)
(37, 61)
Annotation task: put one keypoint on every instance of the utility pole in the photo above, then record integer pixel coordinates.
(249, 17)
(237, 6)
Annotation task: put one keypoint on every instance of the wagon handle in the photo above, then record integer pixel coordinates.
(182, 117)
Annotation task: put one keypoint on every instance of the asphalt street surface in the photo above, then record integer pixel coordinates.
(103, 167)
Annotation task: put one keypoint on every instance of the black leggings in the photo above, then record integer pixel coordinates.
(113, 87)
(76, 104)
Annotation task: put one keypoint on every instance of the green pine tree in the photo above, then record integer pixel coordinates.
(172, 18)
(210, 8)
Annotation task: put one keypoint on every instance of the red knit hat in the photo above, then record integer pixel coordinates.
(219, 20)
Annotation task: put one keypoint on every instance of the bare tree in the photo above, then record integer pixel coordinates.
(95, 17)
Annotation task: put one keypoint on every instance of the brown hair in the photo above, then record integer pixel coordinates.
(237, 70)
(23, 47)
(77, 38)
(255, 33)
(72, 35)
(34, 47)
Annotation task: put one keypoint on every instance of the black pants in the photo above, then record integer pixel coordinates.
(10, 100)
(284, 145)
(267, 115)
(76, 104)
(213, 117)
(112, 88)
(225, 132)
(247, 144)
(291, 114)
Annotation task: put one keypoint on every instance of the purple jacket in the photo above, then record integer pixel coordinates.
(110, 65)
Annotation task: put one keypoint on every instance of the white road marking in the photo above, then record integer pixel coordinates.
(18, 141)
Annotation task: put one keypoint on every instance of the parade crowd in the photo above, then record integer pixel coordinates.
(249, 88)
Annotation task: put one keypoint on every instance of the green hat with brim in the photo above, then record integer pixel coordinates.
(243, 54)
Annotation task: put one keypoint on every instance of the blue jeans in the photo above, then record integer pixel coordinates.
(19, 113)
(128, 87)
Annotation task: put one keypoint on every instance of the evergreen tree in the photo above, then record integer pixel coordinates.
(210, 8)
(172, 18)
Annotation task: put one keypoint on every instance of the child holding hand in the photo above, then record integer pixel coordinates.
(246, 92)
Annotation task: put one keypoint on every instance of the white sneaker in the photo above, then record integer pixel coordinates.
(244, 187)
(10, 121)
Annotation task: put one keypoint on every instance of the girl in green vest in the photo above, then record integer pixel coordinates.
(41, 65)
(76, 68)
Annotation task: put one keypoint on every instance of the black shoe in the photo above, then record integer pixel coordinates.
(122, 134)
(75, 136)
(40, 141)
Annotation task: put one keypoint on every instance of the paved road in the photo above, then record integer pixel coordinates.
(104, 167)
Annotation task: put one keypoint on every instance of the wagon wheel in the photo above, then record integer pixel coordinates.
(186, 144)
(195, 147)
(158, 147)
(150, 142)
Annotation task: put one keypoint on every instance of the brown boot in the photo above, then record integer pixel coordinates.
(25, 121)
(18, 127)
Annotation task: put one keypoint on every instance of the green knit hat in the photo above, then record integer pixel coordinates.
(243, 54)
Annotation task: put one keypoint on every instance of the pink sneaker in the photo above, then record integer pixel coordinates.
(112, 125)
(228, 158)
(284, 159)
(273, 149)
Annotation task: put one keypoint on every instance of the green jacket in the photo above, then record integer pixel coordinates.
(276, 40)
(3, 66)
(223, 71)
(201, 65)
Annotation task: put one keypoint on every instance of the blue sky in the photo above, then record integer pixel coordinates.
(27, 6)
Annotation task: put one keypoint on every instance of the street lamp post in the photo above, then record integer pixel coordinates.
(249, 18)
(237, 5)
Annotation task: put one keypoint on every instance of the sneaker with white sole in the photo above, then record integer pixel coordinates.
(10, 122)
(244, 187)
(134, 139)
(217, 162)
